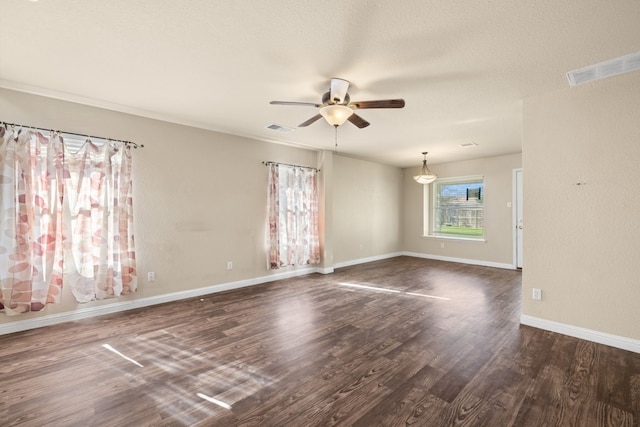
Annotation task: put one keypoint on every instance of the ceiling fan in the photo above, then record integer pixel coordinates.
(337, 107)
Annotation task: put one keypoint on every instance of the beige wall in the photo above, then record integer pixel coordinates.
(200, 202)
(200, 199)
(498, 223)
(367, 209)
(582, 242)
(200, 196)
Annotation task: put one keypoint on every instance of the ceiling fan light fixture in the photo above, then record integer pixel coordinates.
(425, 176)
(336, 114)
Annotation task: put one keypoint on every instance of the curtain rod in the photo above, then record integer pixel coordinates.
(133, 144)
(269, 162)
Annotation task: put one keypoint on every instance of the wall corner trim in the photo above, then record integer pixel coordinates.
(616, 341)
(365, 260)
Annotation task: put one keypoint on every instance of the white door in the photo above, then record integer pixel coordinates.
(519, 218)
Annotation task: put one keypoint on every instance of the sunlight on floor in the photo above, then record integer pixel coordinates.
(187, 396)
(108, 347)
(213, 400)
(395, 291)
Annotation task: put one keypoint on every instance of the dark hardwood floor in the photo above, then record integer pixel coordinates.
(437, 344)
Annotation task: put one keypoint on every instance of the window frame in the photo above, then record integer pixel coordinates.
(430, 204)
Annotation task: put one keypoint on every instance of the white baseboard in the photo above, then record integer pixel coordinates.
(461, 260)
(327, 270)
(365, 260)
(122, 305)
(119, 306)
(582, 333)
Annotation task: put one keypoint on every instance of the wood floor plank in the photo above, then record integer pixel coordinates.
(409, 403)
(466, 410)
(368, 345)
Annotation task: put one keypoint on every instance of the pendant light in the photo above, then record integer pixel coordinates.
(426, 176)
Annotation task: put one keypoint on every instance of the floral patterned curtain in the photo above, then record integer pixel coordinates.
(30, 221)
(293, 216)
(66, 218)
(99, 255)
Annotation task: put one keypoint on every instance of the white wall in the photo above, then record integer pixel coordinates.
(582, 242)
(498, 190)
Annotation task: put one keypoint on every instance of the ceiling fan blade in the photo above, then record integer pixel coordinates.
(358, 121)
(306, 104)
(311, 120)
(380, 103)
(339, 88)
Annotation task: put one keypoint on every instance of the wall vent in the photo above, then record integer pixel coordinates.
(468, 144)
(602, 70)
(279, 128)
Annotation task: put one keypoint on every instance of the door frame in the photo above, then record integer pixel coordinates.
(514, 214)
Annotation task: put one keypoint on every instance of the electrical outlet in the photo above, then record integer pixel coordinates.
(151, 276)
(536, 294)
(229, 265)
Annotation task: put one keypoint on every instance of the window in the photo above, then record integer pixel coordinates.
(67, 217)
(292, 234)
(458, 207)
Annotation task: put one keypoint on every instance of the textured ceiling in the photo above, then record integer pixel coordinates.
(463, 67)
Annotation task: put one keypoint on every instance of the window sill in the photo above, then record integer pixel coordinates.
(456, 239)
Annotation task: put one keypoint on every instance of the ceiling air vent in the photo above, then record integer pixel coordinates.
(612, 67)
(279, 128)
(468, 144)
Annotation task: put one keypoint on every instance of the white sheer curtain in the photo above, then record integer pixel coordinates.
(66, 219)
(293, 216)
(98, 209)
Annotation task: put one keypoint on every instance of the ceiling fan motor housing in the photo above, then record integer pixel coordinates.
(326, 99)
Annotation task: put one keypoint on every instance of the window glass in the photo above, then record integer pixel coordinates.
(458, 207)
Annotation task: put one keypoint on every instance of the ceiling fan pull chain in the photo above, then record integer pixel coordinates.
(335, 149)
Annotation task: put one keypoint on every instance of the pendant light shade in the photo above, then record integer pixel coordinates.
(426, 176)
(336, 114)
